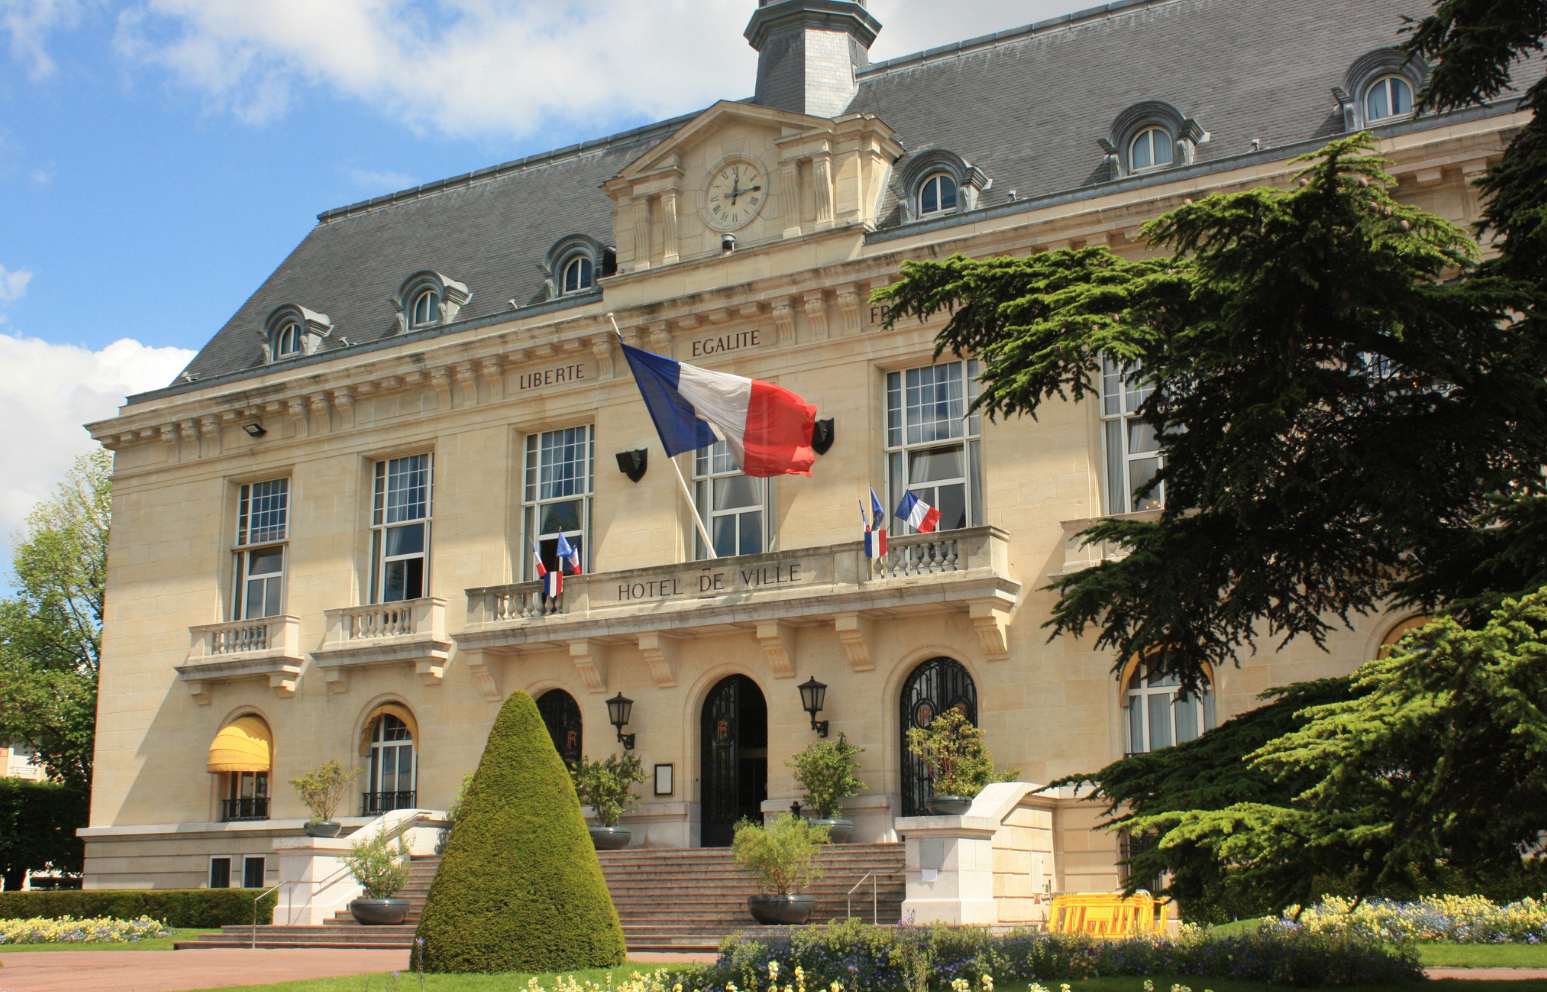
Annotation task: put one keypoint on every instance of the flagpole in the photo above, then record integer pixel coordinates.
(682, 483)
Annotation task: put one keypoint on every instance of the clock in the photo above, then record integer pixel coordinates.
(735, 195)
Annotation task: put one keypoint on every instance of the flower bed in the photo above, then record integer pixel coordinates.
(1442, 919)
(66, 930)
(863, 958)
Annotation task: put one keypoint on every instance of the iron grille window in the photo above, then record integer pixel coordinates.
(246, 797)
(394, 770)
(931, 689)
(561, 715)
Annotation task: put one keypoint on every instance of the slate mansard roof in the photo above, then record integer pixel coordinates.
(1028, 107)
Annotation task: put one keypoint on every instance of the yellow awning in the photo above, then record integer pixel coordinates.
(243, 745)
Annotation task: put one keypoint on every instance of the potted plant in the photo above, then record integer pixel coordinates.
(607, 787)
(782, 857)
(825, 769)
(381, 868)
(322, 789)
(951, 747)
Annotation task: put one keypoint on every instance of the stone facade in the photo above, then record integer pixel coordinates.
(789, 304)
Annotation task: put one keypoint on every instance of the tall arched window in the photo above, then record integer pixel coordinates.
(578, 274)
(1388, 98)
(561, 715)
(937, 194)
(1159, 714)
(426, 309)
(1151, 148)
(288, 340)
(242, 755)
(393, 770)
(932, 688)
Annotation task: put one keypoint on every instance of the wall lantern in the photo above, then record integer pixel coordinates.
(812, 695)
(619, 709)
(254, 429)
(633, 463)
(822, 436)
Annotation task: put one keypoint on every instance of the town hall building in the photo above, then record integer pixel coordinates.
(323, 531)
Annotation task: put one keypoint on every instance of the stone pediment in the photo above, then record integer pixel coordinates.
(742, 174)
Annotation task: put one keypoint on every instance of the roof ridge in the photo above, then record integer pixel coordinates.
(489, 172)
(1071, 19)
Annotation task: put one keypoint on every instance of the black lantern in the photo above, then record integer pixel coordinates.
(812, 695)
(619, 709)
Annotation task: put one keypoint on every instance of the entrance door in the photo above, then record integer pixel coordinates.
(934, 687)
(733, 759)
(561, 715)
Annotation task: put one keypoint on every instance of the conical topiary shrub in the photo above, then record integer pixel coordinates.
(519, 887)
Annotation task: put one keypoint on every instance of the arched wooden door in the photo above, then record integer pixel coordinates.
(561, 715)
(933, 687)
(733, 759)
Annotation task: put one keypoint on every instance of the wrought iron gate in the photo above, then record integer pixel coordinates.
(734, 759)
(561, 715)
(934, 687)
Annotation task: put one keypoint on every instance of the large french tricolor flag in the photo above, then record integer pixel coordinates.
(767, 428)
(919, 515)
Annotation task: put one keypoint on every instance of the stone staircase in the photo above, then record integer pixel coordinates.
(668, 900)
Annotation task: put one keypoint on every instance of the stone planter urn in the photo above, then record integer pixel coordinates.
(323, 828)
(950, 805)
(376, 912)
(607, 838)
(839, 830)
(790, 910)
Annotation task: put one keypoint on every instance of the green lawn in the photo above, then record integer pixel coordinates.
(406, 982)
(1483, 955)
(154, 944)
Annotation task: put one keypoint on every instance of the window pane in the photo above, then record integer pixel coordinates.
(947, 193)
(975, 484)
(1165, 149)
(406, 540)
(1137, 740)
(1186, 720)
(1117, 492)
(952, 503)
(1376, 105)
(724, 533)
(1142, 437)
(752, 533)
(403, 580)
(1208, 710)
(220, 873)
(1141, 158)
(930, 200)
(563, 462)
(407, 488)
(1159, 705)
(559, 518)
(263, 512)
(268, 561)
(1401, 97)
(939, 465)
(1140, 472)
(252, 873)
(893, 410)
(737, 491)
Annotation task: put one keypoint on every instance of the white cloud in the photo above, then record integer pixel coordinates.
(47, 391)
(30, 22)
(43, 176)
(496, 67)
(377, 181)
(13, 283)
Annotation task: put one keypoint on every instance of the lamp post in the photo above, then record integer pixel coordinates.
(619, 709)
(812, 695)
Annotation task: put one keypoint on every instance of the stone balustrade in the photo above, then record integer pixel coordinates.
(269, 647)
(412, 632)
(1079, 555)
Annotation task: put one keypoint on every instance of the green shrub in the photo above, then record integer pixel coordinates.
(380, 866)
(882, 959)
(782, 855)
(203, 908)
(952, 748)
(323, 788)
(519, 887)
(825, 769)
(37, 828)
(607, 785)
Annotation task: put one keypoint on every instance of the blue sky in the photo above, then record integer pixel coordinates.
(158, 158)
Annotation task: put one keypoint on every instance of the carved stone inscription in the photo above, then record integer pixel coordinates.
(711, 580)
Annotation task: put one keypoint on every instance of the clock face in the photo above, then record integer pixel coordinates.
(736, 194)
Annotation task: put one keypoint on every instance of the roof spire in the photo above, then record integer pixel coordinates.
(808, 51)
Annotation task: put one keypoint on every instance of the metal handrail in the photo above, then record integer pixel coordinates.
(875, 900)
(257, 899)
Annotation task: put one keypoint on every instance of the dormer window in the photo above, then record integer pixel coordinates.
(1388, 98)
(293, 331)
(579, 274)
(429, 299)
(937, 194)
(426, 309)
(1151, 148)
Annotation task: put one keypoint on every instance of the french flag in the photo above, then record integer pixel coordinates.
(553, 582)
(875, 527)
(569, 557)
(767, 428)
(918, 514)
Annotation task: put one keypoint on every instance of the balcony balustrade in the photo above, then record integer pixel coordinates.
(409, 632)
(961, 570)
(222, 652)
(377, 803)
(1079, 556)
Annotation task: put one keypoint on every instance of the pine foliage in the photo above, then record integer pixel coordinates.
(520, 887)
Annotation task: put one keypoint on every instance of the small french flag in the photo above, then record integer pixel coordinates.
(553, 582)
(878, 524)
(918, 514)
(569, 557)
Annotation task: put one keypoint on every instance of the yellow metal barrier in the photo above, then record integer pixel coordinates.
(1106, 914)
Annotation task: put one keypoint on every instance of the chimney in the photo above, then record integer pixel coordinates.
(807, 51)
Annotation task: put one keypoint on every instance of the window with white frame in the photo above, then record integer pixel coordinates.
(1132, 444)
(1160, 714)
(1388, 98)
(400, 529)
(288, 340)
(262, 530)
(937, 194)
(556, 494)
(733, 506)
(578, 274)
(394, 773)
(1152, 148)
(425, 310)
(932, 446)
